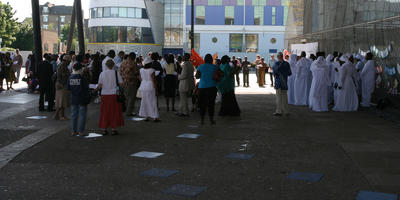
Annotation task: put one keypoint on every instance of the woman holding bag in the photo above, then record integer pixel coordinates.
(111, 110)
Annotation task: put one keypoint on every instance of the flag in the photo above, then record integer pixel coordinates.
(215, 57)
(196, 59)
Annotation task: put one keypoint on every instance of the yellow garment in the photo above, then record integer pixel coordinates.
(170, 69)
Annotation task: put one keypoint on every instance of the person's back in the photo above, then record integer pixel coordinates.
(319, 88)
(282, 72)
(45, 72)
(207, 73)
(79, 88)
(347, 99)
(147, 81)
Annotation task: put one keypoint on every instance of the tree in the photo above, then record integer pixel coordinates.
(24, 36)
(8, 25)
(65, 35)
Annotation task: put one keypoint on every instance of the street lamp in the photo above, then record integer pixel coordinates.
(192, 27)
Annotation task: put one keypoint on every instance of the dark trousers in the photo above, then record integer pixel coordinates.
(237, 78)
(46, 94)
(271, 77)
(246, 79)
(207, 101)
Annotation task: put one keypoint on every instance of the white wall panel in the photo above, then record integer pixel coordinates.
(119, 22)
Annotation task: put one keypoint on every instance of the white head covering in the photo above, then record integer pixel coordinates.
(329, 58)
(345, 57)
(147, 61)
(293, 58)
(359, 57)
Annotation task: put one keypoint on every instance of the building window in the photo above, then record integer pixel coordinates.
(93, 13)
(106, 12)
(46, 47)
(45, 26)
(99, 12)
(45, 18)
(200, 15)
(131, 12)
(240, 2)
(45, 9)
(229, 15)
(114, 12)
(251, 43)
(55, 48)
(258, 15)
(62, 19)
(273, 15)
(121, 34)
(138, 13)
(235, 42)
(214, 2)
(123, 12)
(134, 34)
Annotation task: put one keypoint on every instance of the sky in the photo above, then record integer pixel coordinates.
(23, 8)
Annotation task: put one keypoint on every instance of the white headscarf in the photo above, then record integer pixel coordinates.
(329, 58)
(345, 57)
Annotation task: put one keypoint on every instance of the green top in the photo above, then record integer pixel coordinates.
(227, 83)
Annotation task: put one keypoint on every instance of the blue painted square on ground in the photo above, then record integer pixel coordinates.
(185, 190)
(146, 154)
(164, 173)
(189, 135)
(242, 156)
(305, 176)
(366, 195)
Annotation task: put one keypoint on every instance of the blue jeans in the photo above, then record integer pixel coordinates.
(78, 118)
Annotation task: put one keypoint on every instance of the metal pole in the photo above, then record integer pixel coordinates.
(79, 19)
(192, 27)
(37, 35)
(71, 29)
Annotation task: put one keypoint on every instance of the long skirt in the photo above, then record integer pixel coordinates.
(148, 105)
(110, 112)
(62, 98)
(170, 86)
(229, 105)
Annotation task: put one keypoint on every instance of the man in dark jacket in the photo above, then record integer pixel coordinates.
(79, 87)
(46, 85)
(281, 71)
(246, 70)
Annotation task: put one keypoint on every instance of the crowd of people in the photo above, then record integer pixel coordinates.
(118, 80)
(344, 81)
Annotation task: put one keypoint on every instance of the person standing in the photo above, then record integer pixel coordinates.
(237, 69)
(246, 71)
(320, 84)
(292, 79)
(229, 105)
(207, 88)
(281, 72)
(186, 85)
(302, 84)
(148, 89)
(170, 81)
(368, 80)
(271, 64)
(62, 93)
(110, 56)
(262, 67)
(80, 98)
(158, 72)
(111, 110)
(257, 64)
(9, 71)
(347, 99)
(130, 76)
(45, 73)
(17, 64)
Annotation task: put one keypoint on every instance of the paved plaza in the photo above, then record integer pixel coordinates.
(307, 155)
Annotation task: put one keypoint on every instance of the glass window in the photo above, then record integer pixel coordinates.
(45, 9)
(240, 2)
(131, 12)
(175, 21)
(110, 34)
(46, 47)
(123, 12)
(229, 15)
(235, 42)
(114, 12)
(259, 2)
(138, 12)
(258, 15)
(200, 15)
(251, 43)
(144, 14)
(147, 35)
(106, 12)
(93, 13)
(62, 19)
(45, 18)
(99, 33)
(214, 2)
(100, 12)
(189, 2)
(134, 34)
(45, 26)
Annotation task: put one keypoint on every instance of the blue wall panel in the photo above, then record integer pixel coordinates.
(249, 15)
(215, 15)
(188, 15)
(239, 15)
(267, 15)
(279, 15)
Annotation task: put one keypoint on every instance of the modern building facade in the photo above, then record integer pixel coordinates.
(126, 25)
(237, 27)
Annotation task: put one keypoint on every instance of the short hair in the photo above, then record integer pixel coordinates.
(110, 64)
(280, 54)
(111, 53)
(208, 59)
(369, 56)
(132, 56)
(186, 56)
(170, 59)
(121, 53)
(225, 59)
(79, 58)
(154, 56)
(303, 54)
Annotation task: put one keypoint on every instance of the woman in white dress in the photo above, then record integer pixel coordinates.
(148, 106)
(302, 84)
(347, 98)
(292, 79)
(320, 85)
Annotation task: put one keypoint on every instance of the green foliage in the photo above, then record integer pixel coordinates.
(8, 25)
(24, 36)
(65, 35)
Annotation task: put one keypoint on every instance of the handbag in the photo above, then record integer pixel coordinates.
(120, 93)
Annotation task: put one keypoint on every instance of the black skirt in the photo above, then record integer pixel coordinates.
(229, 105)
(170, 86)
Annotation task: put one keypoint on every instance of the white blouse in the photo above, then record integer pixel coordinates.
(107, 80)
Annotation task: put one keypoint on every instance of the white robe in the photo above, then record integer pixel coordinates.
(302, 83)
(148, 106)
(367, 83)
(335, 78)
(347, 99)
(292, 79)
(319, 87)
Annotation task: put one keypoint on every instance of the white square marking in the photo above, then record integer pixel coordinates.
(147, 154)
